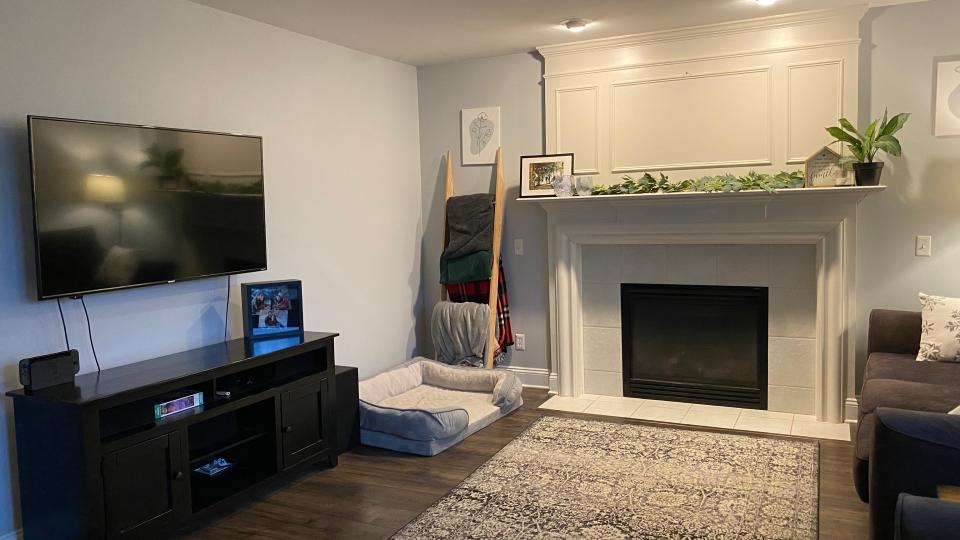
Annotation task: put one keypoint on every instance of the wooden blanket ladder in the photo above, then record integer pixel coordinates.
(492, 341)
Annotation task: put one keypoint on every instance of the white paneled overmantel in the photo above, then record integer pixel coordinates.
(825, 219)
(752, 94)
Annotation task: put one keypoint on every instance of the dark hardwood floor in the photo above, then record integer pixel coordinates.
(372, 493)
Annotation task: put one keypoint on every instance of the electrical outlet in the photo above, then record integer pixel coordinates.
(520, 342)
(924, 246)
(518, 246)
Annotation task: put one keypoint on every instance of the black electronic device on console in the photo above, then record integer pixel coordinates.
(49, 370)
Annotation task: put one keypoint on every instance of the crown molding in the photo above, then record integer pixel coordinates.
(693, 59)
(706, 31)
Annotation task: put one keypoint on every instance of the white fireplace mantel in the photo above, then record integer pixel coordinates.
(825, 218)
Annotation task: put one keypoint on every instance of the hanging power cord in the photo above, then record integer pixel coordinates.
(226, 312)
(66, 337)
(90, 333)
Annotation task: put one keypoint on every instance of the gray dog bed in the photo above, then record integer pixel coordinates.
(424, 407)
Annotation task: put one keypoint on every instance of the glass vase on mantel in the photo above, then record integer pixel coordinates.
(584, 186)
(563, 185)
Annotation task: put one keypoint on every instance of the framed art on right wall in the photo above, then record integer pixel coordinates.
(947, 107)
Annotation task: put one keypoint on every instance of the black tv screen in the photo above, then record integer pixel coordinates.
(119, 205)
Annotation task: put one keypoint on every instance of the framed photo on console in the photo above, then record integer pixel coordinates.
(537, 173)
(272, 308)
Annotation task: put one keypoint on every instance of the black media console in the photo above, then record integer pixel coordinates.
(95, 462)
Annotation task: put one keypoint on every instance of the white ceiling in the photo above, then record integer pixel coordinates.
(422, 32)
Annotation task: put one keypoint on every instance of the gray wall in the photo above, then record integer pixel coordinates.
(897, 63)
(514, 84)
(899, 46)
(340, 134)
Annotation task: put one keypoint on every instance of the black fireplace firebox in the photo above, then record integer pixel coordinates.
(695, 343)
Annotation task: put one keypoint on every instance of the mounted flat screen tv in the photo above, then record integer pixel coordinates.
(118, 206)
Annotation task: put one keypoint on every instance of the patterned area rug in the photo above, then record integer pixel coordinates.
(567, 478)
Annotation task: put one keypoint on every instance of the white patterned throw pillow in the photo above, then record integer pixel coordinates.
(940, 330)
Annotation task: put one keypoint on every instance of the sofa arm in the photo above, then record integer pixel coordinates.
(925, 518)
(913, 452)
(893, 331)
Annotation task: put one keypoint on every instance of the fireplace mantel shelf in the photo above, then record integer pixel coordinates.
(845, 194)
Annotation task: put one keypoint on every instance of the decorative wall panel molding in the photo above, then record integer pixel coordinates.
(730, 97)
(648, 117)
(578, 129)
(814, 100)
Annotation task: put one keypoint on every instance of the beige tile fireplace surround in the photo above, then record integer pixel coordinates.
(789, 272)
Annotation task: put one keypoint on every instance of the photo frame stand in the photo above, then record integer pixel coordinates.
(279, 302)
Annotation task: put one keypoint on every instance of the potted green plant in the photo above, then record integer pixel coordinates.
(863, 147)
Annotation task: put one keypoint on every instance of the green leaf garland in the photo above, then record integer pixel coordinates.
(725, 183)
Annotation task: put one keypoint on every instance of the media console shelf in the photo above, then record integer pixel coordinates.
(94, 461)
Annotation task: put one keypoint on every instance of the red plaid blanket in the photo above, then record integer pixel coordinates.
(479, 292)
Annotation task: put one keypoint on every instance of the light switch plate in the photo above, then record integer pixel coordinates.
(520, 342)
(518, 246)
(924, 246)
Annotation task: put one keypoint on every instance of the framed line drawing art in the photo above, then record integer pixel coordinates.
(537, 173)
(479, 135)
(947, 106)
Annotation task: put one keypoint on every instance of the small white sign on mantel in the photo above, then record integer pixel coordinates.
(823, 169)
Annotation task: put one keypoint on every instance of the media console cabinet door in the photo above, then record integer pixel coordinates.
(302, 428)
(144, 486)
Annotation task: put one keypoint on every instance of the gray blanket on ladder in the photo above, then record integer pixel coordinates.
(469, 224)
(459, 332)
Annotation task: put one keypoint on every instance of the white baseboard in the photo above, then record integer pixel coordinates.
(531, 377)
(850, 410)
(554, 386)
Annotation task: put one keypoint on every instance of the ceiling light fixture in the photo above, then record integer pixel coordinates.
(576, 25)
(766, 2)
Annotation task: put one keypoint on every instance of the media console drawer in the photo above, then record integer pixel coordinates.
(99, 452)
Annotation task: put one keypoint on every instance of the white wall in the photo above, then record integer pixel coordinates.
(897, 71)
(342, 167)
(513, 83)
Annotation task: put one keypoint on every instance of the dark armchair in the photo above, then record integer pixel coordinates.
(913, 452)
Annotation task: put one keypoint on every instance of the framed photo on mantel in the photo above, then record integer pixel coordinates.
(537, 173)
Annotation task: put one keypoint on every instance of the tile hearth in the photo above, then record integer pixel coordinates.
(777, 423)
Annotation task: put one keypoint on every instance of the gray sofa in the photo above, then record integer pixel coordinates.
(900, 443)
